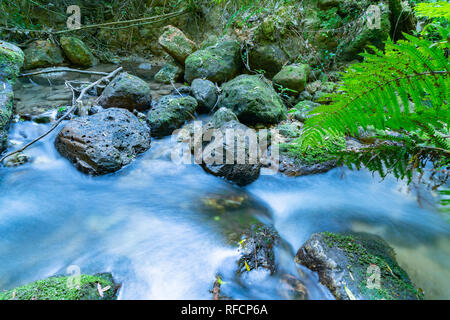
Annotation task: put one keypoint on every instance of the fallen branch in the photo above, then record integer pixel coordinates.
(75, 104)
(51, 70)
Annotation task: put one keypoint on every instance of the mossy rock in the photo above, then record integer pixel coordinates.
(293, 77)
(77, 52)
(346, 264)
(222, 116)
(170, 72)
(267, 58)
(6, 111)
(253, 100)
(175, 43)
(218, 63)
(58, 288)
(42, 54)
(321, 153)
(170, 113)
(302, 109)
(11, 60)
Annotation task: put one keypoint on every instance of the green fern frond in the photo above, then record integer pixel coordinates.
(439, 9)
(396, 90)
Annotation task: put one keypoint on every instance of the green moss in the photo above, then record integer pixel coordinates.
(11, 60)
(56, 288)
(365, 252)
(324, 152)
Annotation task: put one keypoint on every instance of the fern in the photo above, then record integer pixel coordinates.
(405, 89)
(440, 9)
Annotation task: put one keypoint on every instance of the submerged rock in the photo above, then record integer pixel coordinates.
(41, 54)
(218, 63)
(91, 287)
(349, 264)
(170, 113)
(77, 52)
(17, 160)
(205, 92)
(175, 43)
(253, 100)
(104, 142)
(128, 92)
(169, 73)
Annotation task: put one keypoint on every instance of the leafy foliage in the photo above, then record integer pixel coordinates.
(440, 9)
(404, 90)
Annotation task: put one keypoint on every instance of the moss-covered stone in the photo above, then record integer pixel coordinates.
(346, 262)
(175, 43)
(222, 116)
(267, 58)
(42, 54)
(11, 60)
(170, 113)
(218, 63)
(293, 77)
(170, 72)
(321, 153)
(77, 52)
(253, 100)
(58, 288)
(302, 109)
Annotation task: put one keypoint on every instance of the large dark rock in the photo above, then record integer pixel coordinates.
(104, 142)
(41, 54)
(221, 157)
(205, 92)
(128, 92)
(253, 100)
(170, 113)
(346, 265)
(218, 63)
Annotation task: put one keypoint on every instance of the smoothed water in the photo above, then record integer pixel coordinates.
(149, 226)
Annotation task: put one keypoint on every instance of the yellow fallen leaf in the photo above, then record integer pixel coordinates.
(349, 293)
(246, 266)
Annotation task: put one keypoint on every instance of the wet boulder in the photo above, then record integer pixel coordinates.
(175, 43)
(42, 54)
(77, 52)
(218, 63)
(268, 58)
(206, 94)
(91, 287)
(253, 100)
(104, 142)
(232, 153)
(171, 72)
(293, 77)
(128, 92)
(357, 267)
(257, 249)
(170, 113)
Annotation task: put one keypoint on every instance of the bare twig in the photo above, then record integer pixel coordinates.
(75, 104)
(52, 70)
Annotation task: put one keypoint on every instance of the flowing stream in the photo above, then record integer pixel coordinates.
(151, 226)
